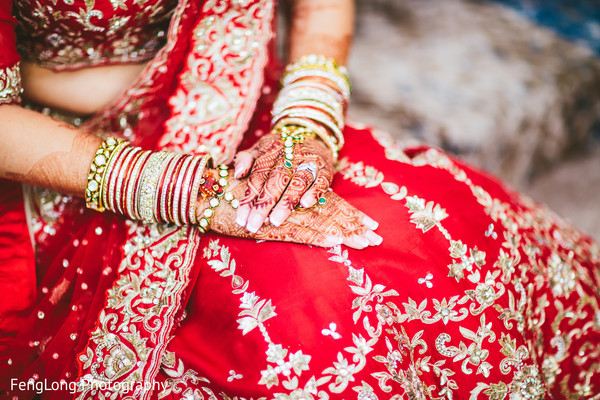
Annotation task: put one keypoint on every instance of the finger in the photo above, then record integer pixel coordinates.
(349, 239)
(348, 215)
(243, 162)
(373, 238)
(271, 193)
(340, 218)
(356, 242)
(300, 182)
(318, 189)
(289, 232)
(258, 176)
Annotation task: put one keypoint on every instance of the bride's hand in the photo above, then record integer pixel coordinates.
(335, 222)
(272, 188)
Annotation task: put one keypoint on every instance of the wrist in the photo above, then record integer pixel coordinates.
(315, 96)
(215, 190)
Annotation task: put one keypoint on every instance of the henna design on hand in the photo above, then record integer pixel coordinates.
(268, 184)
(269, 152)
(300, 182)
(223, 222)
(271, 193)
(334, 223)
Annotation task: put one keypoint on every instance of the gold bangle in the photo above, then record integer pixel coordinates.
(281, 106)
(319, 61)
(338, 82)
(97, 172)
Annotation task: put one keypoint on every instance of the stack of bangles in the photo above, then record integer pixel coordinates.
(154, 186)
(315, 96)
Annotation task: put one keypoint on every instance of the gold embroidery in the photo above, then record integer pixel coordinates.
(10, 84)
(254, 312)
(474, 354)
(139, 312)
(529, 230)
(182, 381)
(369, 177)
(100, 39)
(212, 106)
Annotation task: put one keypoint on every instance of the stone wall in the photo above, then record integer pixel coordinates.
(483, 82)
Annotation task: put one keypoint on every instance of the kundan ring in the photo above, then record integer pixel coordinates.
(310, 167)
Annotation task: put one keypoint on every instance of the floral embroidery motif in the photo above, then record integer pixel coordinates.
(254, 312)
(560, 269)
(183, 381)
(474, 354)
(490, 232)
(331, 331)
(368, 177)
(426, 280)
(424, 216)
(233, 375)
(10, 85)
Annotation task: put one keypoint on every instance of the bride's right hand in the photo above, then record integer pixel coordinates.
(335, 222)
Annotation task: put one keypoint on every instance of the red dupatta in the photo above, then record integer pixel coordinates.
(214, 63)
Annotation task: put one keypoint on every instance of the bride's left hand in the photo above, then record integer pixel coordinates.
(273, 190)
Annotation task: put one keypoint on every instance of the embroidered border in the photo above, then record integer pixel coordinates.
(125, 350)
(221, 81)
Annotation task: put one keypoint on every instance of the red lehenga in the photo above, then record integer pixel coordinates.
(475, 293)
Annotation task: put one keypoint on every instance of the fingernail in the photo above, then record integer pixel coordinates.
(254, 223)
(242, 216)
(307, 202)
(333, 240)
(238, 171)
(361, 241)
(277, 217)
(374, 238)
(370, 223)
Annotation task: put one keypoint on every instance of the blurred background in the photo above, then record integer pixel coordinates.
(512, 86)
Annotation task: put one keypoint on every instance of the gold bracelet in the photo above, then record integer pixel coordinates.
(291, 135)
(313, 127)
(97, 172)
(339, 83)
(215, 201)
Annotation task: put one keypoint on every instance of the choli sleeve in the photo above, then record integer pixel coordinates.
(10, 77)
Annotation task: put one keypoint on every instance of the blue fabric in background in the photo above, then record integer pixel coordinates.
(575, 20)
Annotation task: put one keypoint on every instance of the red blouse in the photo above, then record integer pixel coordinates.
(70, 34)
